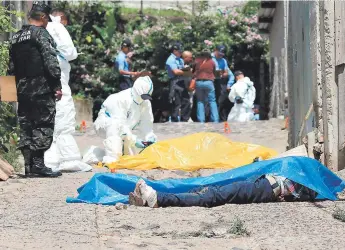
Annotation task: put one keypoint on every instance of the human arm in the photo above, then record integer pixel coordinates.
(231, 80)
(120, 66)
(63, 40)
(46, 46)
(146, 123)
(172, 65)
(116, 109)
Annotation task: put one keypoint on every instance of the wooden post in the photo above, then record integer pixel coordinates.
(330, 89)
(262, 102)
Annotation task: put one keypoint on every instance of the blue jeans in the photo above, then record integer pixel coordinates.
(205, 93)
(241, 192)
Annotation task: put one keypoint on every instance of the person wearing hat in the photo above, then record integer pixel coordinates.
(123, 66)
(224, 80)
(34, 63)
(178, 91)
(126, 121)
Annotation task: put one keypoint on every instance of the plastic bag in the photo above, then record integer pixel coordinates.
(193, 152)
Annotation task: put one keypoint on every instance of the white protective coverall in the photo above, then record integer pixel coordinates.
(242, 112)
(64, 154)
(125, 118)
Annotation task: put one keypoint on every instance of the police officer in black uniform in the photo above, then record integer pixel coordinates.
(178, 91)
(33, 61)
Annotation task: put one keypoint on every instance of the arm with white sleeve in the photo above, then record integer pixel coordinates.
(63, 40)
(146, 122)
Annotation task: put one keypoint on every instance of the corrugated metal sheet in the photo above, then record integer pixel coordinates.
(300, 78)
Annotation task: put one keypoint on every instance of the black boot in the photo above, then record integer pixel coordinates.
(27, 159)
(39, 168)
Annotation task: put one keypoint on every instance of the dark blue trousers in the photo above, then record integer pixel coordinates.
(211, 196)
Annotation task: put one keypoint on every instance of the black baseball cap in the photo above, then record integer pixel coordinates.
(126, 43)
(41, 7)
(238, 72)
(221, 49)
(177, 46)
(146, 97)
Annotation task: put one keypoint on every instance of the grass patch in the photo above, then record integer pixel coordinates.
(339, 214)
(238, 228)
(11, 156)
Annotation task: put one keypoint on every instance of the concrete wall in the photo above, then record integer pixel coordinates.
(315, 75)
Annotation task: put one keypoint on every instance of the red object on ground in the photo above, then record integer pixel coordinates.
(227, 129)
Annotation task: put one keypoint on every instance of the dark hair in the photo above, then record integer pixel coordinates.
(205, 54)
(36, 15)
(238, 72)
(58, 10)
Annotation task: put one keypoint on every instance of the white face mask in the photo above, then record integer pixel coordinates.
(56, 19)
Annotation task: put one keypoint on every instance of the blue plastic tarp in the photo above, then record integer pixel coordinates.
(109, 188)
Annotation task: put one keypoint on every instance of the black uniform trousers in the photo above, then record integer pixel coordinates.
(224, 104)
(179, 99)
(36, 116)
(125, 83)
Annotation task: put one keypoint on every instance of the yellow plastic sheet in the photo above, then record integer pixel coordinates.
(194, 152)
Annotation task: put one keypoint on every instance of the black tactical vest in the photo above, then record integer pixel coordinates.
(26, 57)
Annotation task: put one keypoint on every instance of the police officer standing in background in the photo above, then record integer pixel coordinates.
(33, 61)
(178, 91)
(222, 85)
(123, 66)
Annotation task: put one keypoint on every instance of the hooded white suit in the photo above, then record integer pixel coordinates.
(125, 118)
(242, 112)
(64, 153)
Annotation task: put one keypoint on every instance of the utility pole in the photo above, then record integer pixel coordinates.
(141, 7)
(193, 7)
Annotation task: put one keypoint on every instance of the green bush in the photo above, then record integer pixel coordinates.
(98, 29)
(8, 119)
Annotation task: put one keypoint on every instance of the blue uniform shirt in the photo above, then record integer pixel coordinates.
(121, 62)
(221, 63)
(173, 62)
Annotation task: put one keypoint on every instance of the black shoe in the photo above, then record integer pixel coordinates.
(28, 160)
(38, 167)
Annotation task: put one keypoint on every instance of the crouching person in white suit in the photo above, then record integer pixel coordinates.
(242, 94)
(126, 121)
(64, 154)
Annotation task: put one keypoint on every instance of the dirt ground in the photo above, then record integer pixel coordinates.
(34, 214)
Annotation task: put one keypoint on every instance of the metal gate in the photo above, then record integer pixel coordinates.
(299, 69)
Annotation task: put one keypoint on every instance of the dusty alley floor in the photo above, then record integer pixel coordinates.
(34, 214)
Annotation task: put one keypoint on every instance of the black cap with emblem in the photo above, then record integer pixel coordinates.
(177, 46)
(126, 43)
(221, 49)
(41, 7)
